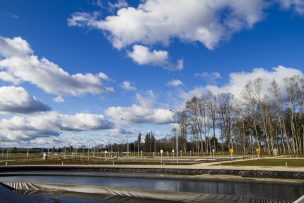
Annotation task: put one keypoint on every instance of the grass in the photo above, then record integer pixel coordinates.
(268, 162)
(84, 161)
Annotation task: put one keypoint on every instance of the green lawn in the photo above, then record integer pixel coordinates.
(268, 162)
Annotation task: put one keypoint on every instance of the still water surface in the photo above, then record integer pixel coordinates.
(259, 190)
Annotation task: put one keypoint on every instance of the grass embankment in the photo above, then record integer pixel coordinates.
(86, 162)
(268, 162)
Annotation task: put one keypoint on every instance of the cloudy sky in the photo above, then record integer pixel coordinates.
(69, 71)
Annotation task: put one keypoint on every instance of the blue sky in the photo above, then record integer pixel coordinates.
(79, 37)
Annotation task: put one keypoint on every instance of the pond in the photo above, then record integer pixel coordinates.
(273, 191)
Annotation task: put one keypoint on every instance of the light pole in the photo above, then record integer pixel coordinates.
(138, 142)
(176, 135)
(123, 119)
(127, 138)
(89, 141)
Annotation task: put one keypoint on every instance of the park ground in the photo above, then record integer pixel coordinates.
(217, 161)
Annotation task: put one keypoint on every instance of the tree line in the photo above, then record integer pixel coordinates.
(267, 116)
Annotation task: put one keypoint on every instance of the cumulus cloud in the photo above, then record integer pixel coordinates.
(9, 78)
(127, 85)
(238, 81)
(14, 47)
(48, 124)
(104, 76)
(143, 56)
(175, 83)
(19, 64)
(17, 100)
(296, 5)
(153, 21)
(143, 111)
(158, 22)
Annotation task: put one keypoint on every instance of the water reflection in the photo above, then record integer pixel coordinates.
(259, 190)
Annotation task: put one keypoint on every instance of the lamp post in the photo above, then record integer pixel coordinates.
(138, 143)
(123, 119)
(127, 138)
(176, 135)
(89, 141)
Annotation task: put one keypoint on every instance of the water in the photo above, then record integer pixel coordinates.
(259, 190)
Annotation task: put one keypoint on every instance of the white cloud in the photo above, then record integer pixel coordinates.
(82, 19)
(127, 85)
(199, 91)
(17, 100)
(119, 4)
(212, 75)
(98, 3)
(238, 81)
(19, 62)
(175, 83)
(48, 124)
(58, 99)
(9, 78)
(296, 5)
(14, 47)
(142, 55)
(142, 111)
(154, 21)
(209, 77)
(104, 76)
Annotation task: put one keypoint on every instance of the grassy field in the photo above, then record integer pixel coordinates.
(269, 162)
(81, 159)
(86, 162)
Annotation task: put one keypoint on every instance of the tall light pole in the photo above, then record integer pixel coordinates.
(176, 135)
(89, 140)
(123, 119)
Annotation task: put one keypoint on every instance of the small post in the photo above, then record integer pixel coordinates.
(141, 154)
(62, 163)
(286, 164)
(27, 154)
(161, 156)
(105, 155)
(231, 150)
(6, 163)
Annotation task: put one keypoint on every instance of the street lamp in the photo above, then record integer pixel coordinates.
(123, 119)
(89, 141)
(176, 135)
